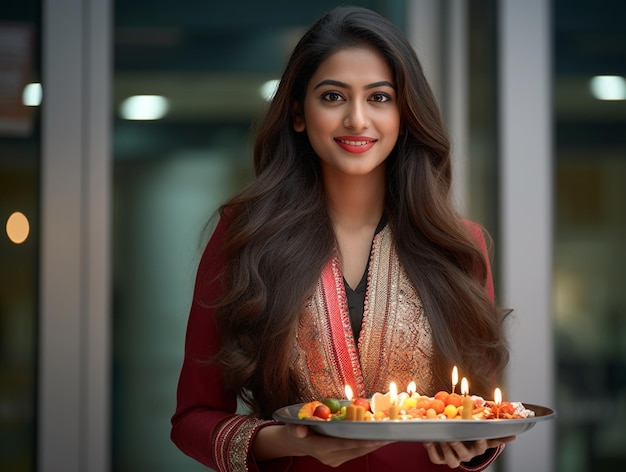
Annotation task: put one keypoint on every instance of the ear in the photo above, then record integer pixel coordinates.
(298, 118)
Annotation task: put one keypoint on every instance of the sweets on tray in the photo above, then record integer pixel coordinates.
(404, 406)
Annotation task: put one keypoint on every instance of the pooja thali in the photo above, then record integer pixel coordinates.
(419, 430)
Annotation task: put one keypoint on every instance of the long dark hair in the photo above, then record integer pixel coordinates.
(279, 234)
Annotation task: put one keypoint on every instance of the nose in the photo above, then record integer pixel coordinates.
(356, 117)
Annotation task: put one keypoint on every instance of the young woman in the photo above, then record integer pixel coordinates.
(343, 263)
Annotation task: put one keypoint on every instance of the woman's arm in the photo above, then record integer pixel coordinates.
(204, 425)
(273, 442)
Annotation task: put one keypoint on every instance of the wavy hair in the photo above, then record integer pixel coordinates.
(280, 236)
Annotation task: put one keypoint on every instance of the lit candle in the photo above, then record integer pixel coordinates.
(393, 401)
(497, 398)
(468, 403)
(411, 389)
(350, 409)
(351, 412)
(455, 378)
(349, 393)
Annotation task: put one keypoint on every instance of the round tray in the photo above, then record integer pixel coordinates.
(419, 430)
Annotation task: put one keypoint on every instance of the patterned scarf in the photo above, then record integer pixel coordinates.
(395, 342)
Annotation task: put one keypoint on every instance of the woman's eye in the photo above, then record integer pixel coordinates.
(380, 97)
(332, 97)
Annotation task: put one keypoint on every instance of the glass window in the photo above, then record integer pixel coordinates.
(483, 116)
(590, 230)
(198, 68)
(20, 95)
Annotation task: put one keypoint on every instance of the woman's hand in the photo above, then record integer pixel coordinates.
(276, 441)
(453, 453)
(331, 451)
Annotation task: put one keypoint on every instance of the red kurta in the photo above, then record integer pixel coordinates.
(205, 425)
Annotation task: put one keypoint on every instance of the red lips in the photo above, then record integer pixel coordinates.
(355, 144)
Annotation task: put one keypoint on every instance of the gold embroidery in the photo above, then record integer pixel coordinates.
(395, 342)
(240, 445)
(315, 357)
(233, 442)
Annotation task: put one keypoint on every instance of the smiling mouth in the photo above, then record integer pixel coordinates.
(355, 143)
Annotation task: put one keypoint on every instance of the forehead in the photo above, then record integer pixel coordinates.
(353, 65)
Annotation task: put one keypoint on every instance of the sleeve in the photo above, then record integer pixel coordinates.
(479, 237)
(205, 425)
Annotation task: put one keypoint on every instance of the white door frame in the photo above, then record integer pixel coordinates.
(526, 190)
(74, 333)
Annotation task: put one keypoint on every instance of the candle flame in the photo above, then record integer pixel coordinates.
(455, 376)
(464, 387)
(497, 396)
(393, 393)
(349, 393)
(411, 389)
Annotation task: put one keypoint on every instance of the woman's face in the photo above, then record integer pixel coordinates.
(350, 113)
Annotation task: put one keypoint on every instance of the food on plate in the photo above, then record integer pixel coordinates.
(442, 406)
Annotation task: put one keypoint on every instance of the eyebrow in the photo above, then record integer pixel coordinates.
(336, 83)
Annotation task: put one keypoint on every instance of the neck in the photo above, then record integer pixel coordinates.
(355, 201)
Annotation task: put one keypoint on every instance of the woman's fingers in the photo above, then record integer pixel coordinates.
(337, 457)
(455, 452)
(330, 451)
(450, 453)
(336, 453)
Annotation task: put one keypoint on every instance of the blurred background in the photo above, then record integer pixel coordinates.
(169, 98)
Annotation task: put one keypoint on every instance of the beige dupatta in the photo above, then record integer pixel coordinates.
(395, 342)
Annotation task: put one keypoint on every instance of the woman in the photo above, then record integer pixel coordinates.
(344, 262)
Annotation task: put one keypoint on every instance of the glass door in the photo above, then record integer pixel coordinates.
(590, 230)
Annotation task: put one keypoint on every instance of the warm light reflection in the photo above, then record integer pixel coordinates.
(17, 228)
